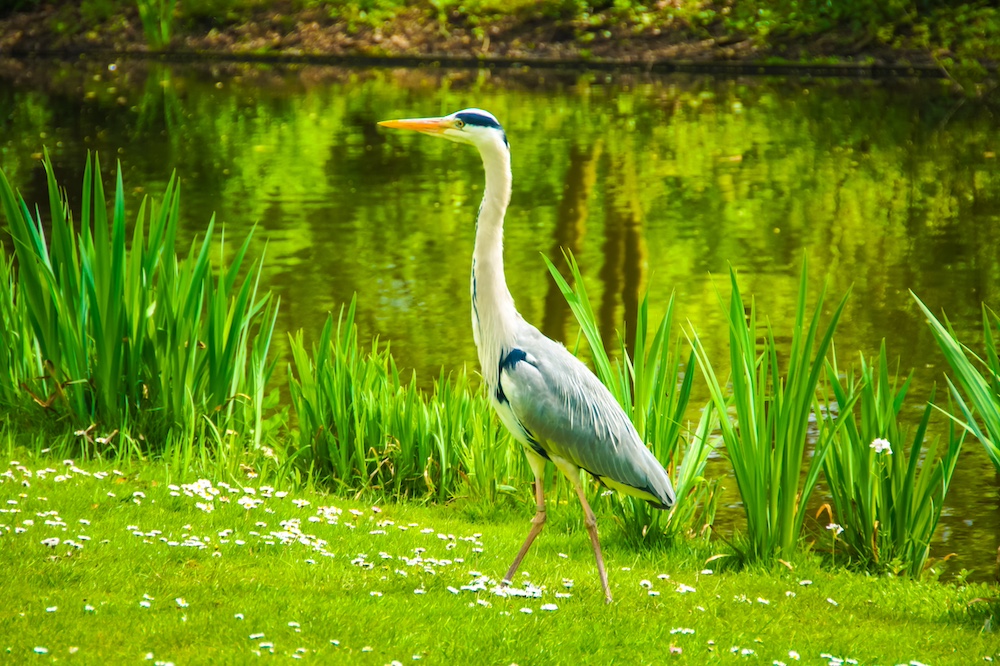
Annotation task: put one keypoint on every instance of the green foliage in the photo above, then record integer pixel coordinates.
(968, 33)
(157, 18)
(217, 12)
(654, 388)
(99, 11)
(977, 379)
(365, 428)
(774, 408)
(889, 502)
(962, 36)
(121, 334)
(358, 13)
(18, 360)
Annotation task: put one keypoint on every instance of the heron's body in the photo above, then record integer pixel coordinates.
(559, 411)
(550, 401)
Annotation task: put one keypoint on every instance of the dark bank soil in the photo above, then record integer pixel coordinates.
(280, 32)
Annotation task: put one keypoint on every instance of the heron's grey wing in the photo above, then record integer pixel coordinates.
(569, 413)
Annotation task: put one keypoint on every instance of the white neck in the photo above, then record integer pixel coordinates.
(493, 314)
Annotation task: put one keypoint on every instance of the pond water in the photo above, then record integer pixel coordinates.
(653, 183)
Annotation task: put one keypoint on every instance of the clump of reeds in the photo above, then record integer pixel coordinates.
(887, 499)
(774, 402)
(367, 428)
(114, 333)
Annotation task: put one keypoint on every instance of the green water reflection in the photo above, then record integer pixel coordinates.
(652, 183)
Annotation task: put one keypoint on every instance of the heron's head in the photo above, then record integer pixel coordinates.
(473, 126)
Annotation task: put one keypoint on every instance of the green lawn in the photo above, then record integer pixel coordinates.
(143, 570)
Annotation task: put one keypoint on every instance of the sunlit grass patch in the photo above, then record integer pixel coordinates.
(217, 571)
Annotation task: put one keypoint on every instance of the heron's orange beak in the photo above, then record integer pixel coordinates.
(435, 126)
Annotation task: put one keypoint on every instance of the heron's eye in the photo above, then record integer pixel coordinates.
(459, 124)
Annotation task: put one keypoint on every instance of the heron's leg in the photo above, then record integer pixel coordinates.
(591, 522)
(538, 468)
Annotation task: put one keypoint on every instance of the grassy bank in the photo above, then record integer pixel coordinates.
(960, 37)
(101, 565)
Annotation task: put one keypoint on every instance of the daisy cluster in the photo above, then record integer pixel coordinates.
(56, 530)
(267, 520)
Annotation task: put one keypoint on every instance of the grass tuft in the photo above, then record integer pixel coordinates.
(365, 428)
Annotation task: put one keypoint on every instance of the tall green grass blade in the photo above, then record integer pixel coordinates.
(766, 441)
(976, 380)
(579, 303)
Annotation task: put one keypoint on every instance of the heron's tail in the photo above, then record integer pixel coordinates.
(659, 485)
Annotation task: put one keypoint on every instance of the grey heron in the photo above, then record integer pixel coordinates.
(548, 399)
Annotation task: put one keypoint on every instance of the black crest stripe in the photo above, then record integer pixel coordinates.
(473, 118)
